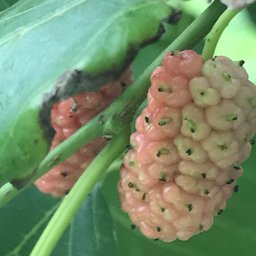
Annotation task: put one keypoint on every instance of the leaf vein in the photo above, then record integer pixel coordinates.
(16, 250)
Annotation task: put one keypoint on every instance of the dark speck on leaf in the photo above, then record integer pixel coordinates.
(175, 16)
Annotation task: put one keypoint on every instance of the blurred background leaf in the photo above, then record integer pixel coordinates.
(101, 228)
(252, 11)
(4, 4)
(91, 232)
(22, 220)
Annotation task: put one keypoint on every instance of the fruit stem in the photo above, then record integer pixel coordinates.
(126, 105)
(72, 202)
(217, 30)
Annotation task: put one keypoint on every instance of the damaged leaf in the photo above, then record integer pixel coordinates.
(89, 41)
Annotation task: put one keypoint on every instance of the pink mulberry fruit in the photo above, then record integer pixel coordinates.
(189, 141)
(67, 117)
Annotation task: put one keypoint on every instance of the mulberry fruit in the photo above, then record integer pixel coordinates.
(189, 141)
(67, 117)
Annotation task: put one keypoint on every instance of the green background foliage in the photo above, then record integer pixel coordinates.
(31, 31)
(101, 228)
(4, 4)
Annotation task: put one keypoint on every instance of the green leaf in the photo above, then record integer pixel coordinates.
(23, 220)
(4, 4)
(91, 233)
(150, 52)
(42, 39)
(251, 11)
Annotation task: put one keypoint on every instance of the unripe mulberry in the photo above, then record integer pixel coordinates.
(67, 117)
(189, 141)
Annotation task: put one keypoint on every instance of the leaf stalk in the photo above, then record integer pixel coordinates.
(216, 32)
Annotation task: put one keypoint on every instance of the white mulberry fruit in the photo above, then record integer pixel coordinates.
(188, 144)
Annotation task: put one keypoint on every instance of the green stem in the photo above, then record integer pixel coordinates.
(190, 37)
(77, 195)
(125, 106)
(57, 155)
(118, 115)
(83, 136)
(217, 30)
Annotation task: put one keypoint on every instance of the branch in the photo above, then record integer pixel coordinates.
(72, 202)
(124, 107)
(217, 30)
